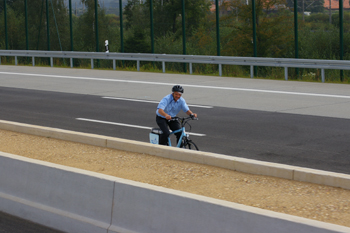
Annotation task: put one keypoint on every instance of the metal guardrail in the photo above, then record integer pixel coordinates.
(163, 58)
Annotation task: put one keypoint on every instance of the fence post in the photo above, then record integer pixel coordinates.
(26, 23)
(121, 27)
(96, 27)
(341, 32)
(184, 32)
(71, 30)
(286, 73)
(296, 34)
(255, 47)
(217, 28)
(5, 22)
(70, 25)
(152, 28)
(48, 26)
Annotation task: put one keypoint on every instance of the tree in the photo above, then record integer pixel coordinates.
(136, 15)
(273, 29)
(167, 15)
(137, 43)
(15, 34)
(9, 3)
(58, 21)
(85, 28)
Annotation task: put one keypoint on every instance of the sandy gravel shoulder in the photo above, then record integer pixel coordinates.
(318, 202)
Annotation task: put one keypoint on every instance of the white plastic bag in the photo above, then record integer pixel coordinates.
(154, 138)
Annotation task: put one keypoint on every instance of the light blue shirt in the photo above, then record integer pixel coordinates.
(171, 107)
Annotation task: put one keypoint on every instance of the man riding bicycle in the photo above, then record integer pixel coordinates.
(169, 107)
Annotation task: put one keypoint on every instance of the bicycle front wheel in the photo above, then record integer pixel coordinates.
(190, 145)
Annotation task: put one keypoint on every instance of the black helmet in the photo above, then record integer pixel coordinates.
(178, 88)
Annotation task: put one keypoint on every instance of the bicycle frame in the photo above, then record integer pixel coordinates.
(182, 130)
(183, 134)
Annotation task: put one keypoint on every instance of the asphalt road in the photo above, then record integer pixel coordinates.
(296, 123)
(308, 141)
(12, 224)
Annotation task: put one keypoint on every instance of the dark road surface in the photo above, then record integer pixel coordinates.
(12, 224)
(301, 140)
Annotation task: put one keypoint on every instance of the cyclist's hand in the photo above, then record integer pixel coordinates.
(194, 115)
(168, 117)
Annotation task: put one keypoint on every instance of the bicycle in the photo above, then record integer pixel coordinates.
(184, 140)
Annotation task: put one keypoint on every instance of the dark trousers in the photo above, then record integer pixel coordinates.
(164, 125)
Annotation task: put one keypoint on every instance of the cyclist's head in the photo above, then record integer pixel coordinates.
(178, 88)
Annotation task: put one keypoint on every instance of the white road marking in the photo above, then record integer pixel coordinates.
(132, 126)
(186, 85)
(156, 102)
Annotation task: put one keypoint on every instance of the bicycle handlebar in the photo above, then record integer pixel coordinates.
(183, 118)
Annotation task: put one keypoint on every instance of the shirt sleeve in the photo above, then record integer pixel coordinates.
(185, 107)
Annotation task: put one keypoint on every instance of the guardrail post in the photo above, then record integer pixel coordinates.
(114, 65)
(71, 62)
(92, 63)
(220, 70)
(138, 65)
(323, 75)
(286, 73)
(33, 61)
(51, 61)
(191, 71)
(0, 60)
(163, 66)
(15, 60)
(251, 71)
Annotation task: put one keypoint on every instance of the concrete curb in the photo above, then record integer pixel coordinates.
(228, 162)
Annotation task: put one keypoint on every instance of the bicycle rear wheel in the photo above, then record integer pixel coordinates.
(190, 145)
